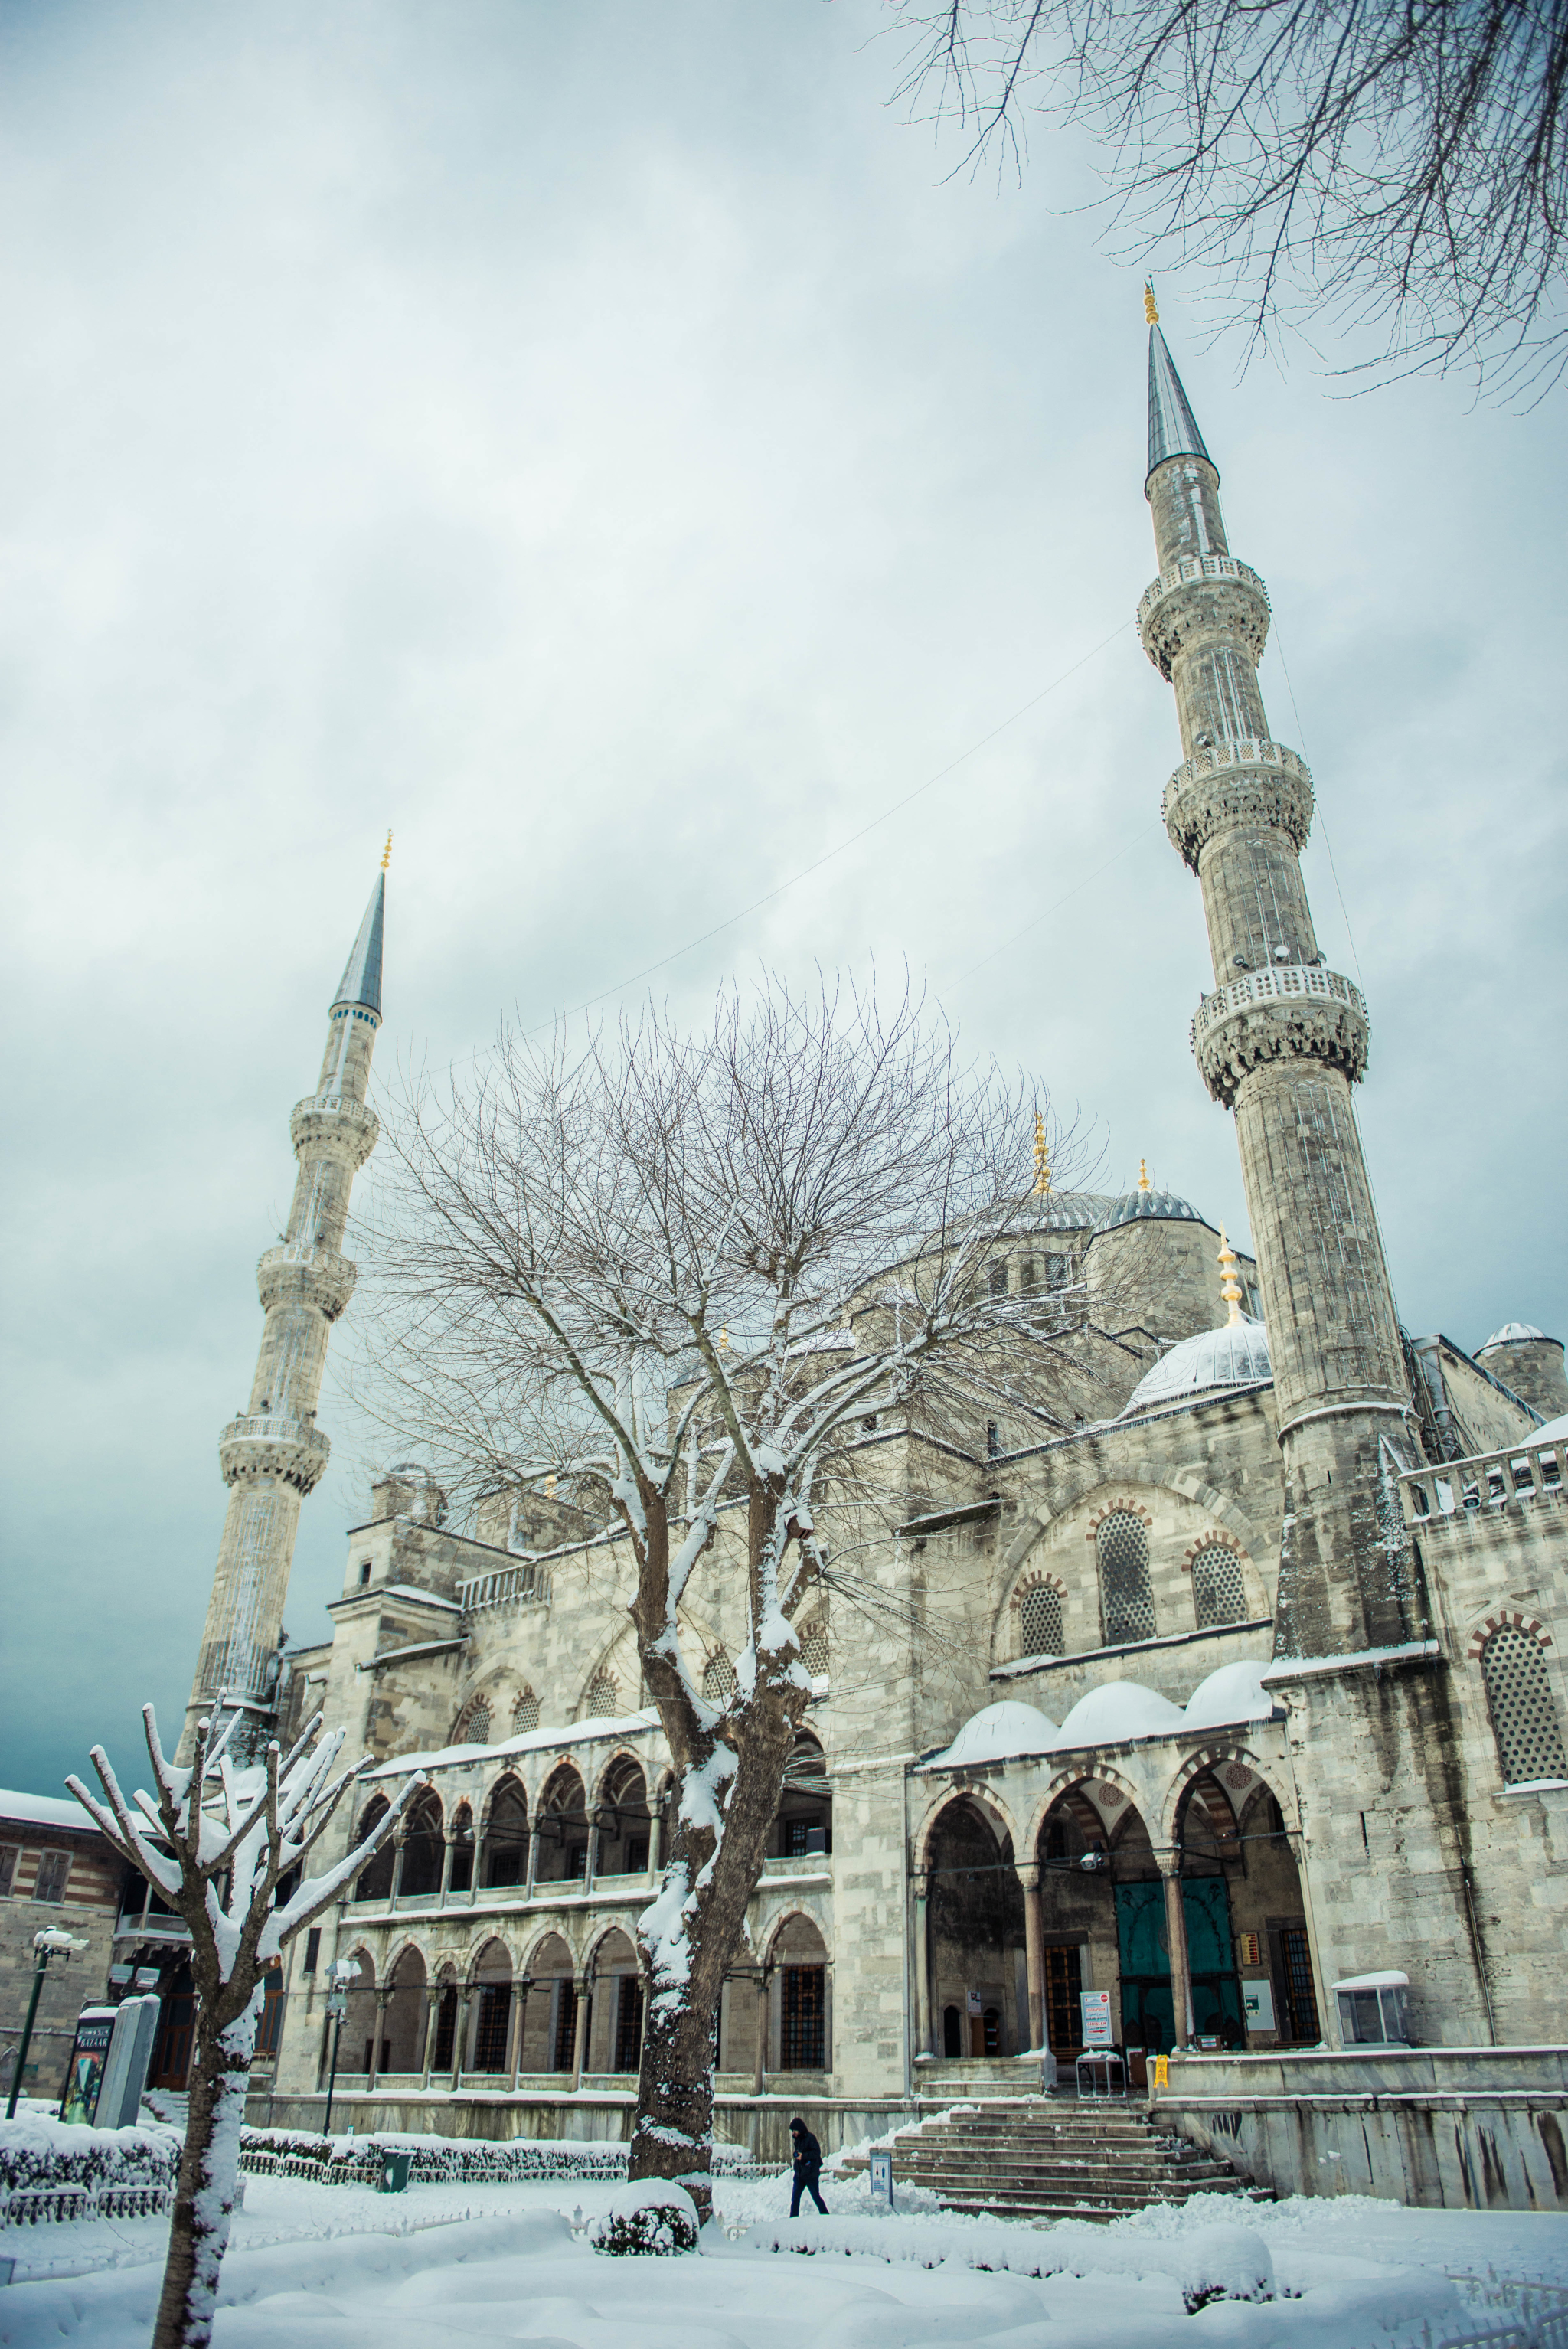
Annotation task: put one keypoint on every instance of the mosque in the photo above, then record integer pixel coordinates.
(1225, 1714)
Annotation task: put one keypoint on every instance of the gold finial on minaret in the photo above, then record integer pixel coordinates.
(1042, 1159)
(1143, 1182)
(387, 854)
(1151, 308)
(723, 1340)
(1230, 1287)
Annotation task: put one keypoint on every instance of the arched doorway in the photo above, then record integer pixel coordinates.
(1247, 1947)
(562, 1827)
(975, 1921)
(491, 2008)
(623, 1820)
(424, 1849)
(357, 2043)
(506, 1835)
(404, 2025)
(1091, 1837)
(799, 2023)
(615, 2024)
(374, 1881)
(462, 1875)
(803, 1824)
(550, 2021)
(443, 2047)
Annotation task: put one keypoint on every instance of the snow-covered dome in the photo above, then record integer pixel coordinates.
(1120, 1709)
(1000, 1732)
(1513, 1333)
(1234, 1355)
(1235, 1692)
(1554, 1432)
(1138, 1206)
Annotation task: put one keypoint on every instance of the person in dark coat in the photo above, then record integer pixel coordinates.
(807, 2167)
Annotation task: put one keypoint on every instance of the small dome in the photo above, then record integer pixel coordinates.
(1513, 1333)
(1158, 1206)
(1553, 1432)
(1235, 1692)
(1234, 1355)
(1000, 1732)
(1119, 1710)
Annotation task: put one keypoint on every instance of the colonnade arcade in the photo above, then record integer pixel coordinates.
(1198, 1931)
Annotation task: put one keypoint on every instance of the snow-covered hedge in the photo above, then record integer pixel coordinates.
(470, 2161)
(53, 2170)
(656, 2216)
(1224, 2263)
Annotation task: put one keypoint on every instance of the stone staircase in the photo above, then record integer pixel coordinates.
(1053, 2157)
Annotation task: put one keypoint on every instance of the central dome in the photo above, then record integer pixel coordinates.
(1235, 1356)
(1513, 1333)
(1162, 1206)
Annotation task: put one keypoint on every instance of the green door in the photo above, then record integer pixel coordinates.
(1211, 1960)
(1144, 1956)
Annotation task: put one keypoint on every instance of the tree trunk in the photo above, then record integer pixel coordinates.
(209, 2168)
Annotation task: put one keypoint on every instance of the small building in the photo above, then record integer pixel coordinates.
(56, 1868)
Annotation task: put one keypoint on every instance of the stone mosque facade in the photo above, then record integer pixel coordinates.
(1241, 1682)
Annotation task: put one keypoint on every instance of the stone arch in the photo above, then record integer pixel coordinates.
(803, 1822)
(1035, 1593)
(623, 1817)
(490, 1976)
(473, 1725)
(561, 1827)
(506, 1830)
(361, 2015)
(1215, 1758)
(986, 1800)
(1522, 1703)
(1064, 1782)
(795, 1914)
(525, 1711)
(462, 1835)
(374, 1882)
(549, 1954)
(1220, 1597)
(1070, 1496)
(403, 2023)
(424, 1845)
(555, 1968)
(976, 1932)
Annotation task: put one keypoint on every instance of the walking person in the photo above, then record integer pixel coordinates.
(807, 2167)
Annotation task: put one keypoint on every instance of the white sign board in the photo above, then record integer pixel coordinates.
(881, 2178)
(1257, 2005)
(1096, 2005)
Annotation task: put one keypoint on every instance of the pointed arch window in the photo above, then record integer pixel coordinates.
(1523, 1709)
(1125, 1593)
(814, 1647)
(1040, 1620)
(473, 1724)
(525, 1713)
(718, 1679)
(1219, 1592)
(604, 1701)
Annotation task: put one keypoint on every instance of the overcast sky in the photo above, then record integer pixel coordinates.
(599, 443)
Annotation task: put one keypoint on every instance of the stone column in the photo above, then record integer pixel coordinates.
(1176, 1935)
(530, 1873)
(432, 2018)
(590, 1858)
(920, 1955)
(459, 2039)
(446, 1864)
(760, 2068)
(519, 1991)
(399, 1838)
(585, 1989)
(477, 1879)
(379, 2028)
(1033, 1952)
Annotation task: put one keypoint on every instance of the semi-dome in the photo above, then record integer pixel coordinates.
(1513, 1333)
(1233, 1693)
(1121, 1709)
(1140, 1206)
(1234, 1355)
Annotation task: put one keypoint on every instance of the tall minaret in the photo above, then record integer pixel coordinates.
(274, 1454)
(1281, 1041)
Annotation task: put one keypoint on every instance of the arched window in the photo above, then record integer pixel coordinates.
(376, 1878)
(1219, 1593)
(604, 1697)
(718, 1679)
(525, 1713)
(814, 1647)
(1524, 1712)
(1040, 1620)
(1126, 1595)
(473, 1724)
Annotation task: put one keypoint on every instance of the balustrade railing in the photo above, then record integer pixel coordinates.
(1193, 567)
(526, 1583)
(1277, 982)
(1519, 1472)
(1243, 750)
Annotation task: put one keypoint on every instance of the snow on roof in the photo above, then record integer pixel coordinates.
(44, 1811)
(1112, 1714)
(1390, 1979)
(1551, 1430)
(1234, 1355)
(532, 1741)
(1513, 1333)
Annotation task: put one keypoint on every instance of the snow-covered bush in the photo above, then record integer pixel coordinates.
(1224, 2263)
(656, 2217)
(38, 2152)
(444, 2160)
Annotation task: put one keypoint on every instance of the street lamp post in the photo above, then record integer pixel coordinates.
(343, 1972)
(52, 1942)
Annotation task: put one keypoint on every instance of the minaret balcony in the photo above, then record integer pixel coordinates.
(1290, 1010)
(1246, 784)
(1203, 598)
(336, 1118)
(274, 1443)
(300, 1274)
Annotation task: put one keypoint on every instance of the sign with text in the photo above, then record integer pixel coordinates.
(881, 2178)
(89, 2053)
(1257, 2003)
(1096, 2008)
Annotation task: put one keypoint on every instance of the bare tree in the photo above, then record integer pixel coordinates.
(1401, 162)
(217, 1844)
(676, 1274)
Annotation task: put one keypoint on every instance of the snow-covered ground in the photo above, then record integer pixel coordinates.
(336, 2267)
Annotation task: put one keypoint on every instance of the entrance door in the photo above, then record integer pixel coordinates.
(1210, 1959)
(171, 2065)
(1147, 2014)
(1063, 1987)
(1300, 1992)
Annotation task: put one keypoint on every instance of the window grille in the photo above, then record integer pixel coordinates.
(474, 1726)
(54, 1867)
(804, 2019)
(525, 1713)
(565, 2028)
(814, 1648)
(445, 2030)
(1126, 1594)
(1524, 1712)
(718, 1679)
(1219, 1593)
(628, 2023)
(491, 2030)
(604, 1697)
(1040, 1621)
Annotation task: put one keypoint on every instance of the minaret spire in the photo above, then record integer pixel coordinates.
(274, 1453)
(1281, 1041)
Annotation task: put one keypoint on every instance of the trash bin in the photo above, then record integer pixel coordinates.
(395, 2172)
